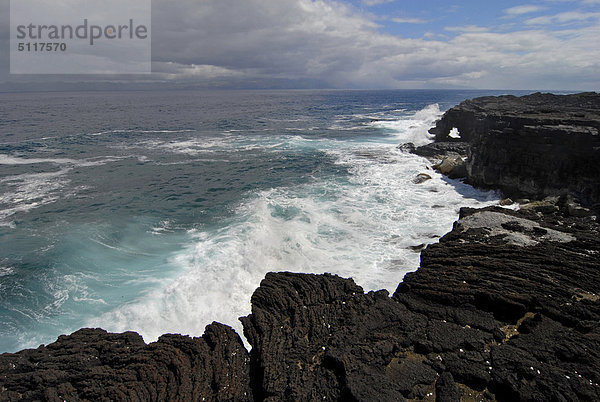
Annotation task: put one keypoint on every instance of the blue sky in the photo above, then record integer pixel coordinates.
(416, 19)
(536, 44)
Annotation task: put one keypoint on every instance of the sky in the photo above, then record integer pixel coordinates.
(358, 44)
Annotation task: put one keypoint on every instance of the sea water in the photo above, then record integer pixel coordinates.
(161, 212)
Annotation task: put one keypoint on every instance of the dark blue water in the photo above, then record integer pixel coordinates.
(162, 211)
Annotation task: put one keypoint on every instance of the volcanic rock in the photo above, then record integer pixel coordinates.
(437, 150)
(452, 166)
(421, 178)
(531, 146)
(94, 365)
(505, 307)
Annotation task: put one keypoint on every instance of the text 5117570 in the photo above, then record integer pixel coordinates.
(42, 47)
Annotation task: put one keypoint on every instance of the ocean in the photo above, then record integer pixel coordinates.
(161, 211)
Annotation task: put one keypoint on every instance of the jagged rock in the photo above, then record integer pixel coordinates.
(94, 365)
(530, 293)
(452, 166)
(540, 206)
(506, 202)
(421, 178)
(408, 147)
(499, 310)
(477, 116)
(531, 146)
(446, 389)
(318, 337)
(437, 150)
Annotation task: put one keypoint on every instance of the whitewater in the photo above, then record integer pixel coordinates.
(167, 226)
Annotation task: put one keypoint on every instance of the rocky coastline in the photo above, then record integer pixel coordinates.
(529, 147)
(505, 307)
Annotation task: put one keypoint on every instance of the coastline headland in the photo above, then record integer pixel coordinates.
(505, 307)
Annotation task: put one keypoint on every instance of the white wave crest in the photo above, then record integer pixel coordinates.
(364, 226)
(413, 128)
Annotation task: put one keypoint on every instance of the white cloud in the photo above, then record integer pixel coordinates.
(232, 42)
(563, 18)
(377, 2)
(331, 43)
(524, 9)
(467, 28)
(410, 20)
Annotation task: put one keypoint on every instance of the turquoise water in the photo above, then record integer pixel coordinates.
(162, 211)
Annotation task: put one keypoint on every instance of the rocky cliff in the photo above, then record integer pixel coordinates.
(505, 307)
(532, 146)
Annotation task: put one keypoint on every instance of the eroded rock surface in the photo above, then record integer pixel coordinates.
(94, 365)
(481, 318)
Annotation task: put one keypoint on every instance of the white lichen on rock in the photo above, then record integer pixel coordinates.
(515, 231)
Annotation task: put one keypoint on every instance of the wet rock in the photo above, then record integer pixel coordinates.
(437, 150)
(408, 147)
(421, 178)
(418, 247)
(452, 166)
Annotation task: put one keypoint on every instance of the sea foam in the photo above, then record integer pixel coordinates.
(365, 226)
(23, 192)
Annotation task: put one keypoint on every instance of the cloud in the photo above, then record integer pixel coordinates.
(467, 28)
(564, 18)
(171, 70)
(333, 44)
(376, 2)
(524, 9)
(285, 43)
(410, 20)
